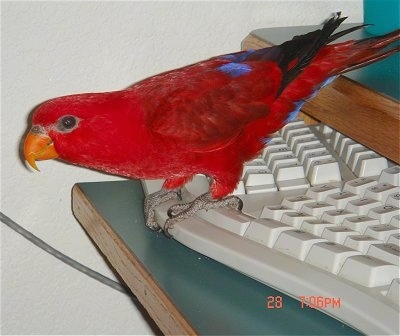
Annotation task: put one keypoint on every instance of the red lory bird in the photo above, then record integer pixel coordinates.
(206, 118)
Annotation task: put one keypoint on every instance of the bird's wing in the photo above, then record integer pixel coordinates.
(206, 105)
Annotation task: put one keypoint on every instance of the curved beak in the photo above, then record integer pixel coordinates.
(38, 146)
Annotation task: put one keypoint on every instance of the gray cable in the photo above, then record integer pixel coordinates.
(64, 258)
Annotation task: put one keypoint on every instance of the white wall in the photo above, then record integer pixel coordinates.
(56, 48)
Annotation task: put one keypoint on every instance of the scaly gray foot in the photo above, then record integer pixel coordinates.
(154, 199)
(179, 212)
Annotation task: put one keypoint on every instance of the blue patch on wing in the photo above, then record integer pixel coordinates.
(299, 104)
(235, 69)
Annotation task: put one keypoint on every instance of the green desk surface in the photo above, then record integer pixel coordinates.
(383, 76)
(213, 298)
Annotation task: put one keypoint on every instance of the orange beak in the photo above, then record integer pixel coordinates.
(38, 147)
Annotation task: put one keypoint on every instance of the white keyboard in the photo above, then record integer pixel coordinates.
(320, 223)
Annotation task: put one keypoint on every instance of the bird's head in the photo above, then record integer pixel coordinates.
(75, 128)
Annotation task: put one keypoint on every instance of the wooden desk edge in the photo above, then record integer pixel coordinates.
(374, 120)
(159, 306)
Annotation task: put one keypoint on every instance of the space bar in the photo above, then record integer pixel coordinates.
(287, 275)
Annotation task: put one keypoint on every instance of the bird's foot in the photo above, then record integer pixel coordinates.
(179, 212)
(154, 199)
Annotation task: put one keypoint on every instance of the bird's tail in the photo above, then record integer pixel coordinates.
(313, 51)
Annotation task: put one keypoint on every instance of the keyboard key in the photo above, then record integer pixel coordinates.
(321, 192)
(384, 213)
(359, 223)
(296, 184)
(315, 226)
(381, 231)
(355, 156)
(295, 219)
(395, 221)
(394, 239)
(350, 148)
(274, 211)
(393, 199)
(233, 221)
(329, 256)
(305, 146)
(370, 165)
(338, 234)
(340, 199)
(324, 171)
(316, 209)
(393, 292)
(368, 271)
(390, 175)
(336, 216)
(387, 252)
(315, 156)
(361, 242)
(295, 202)
(254, 177)
(298, 136)
(296, 243)
(261, 189)
(381, 191)
(288, 171)
(265, 231)
(362, 205)
(359, 185)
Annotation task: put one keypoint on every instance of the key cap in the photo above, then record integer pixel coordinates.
(362, 205)
(302, 147)
(368, 271)
(274, 211)
(273, 154)
(334, 138)
(295, 202)
(254, 177)
(288, 171)
(296, 218)
(381, 231)
(391, 175)
(315, 156)
(359, 185)
(336, 216)
(300, 183)
(338, 234)
(329, 256)
(307, 149)
(321, 192)
(393, 199)
(361, 242)
(394, 239)
(315, 226)
(340, 199)
(296, 243)
(301, 135)
(255, 165)
(359, 223)
(343, 143)
(387, 252)
(265, 231)
(316, 209)
(381, 191)
(261, 189)
(370, 165)
(350, 148)
(279, 161)
(393, 292)
(357, 156)
(384, 213)
(395, 221)
(291, 130)
(233, 221)
(324, 171)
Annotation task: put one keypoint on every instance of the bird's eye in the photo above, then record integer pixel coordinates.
(67, 123)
